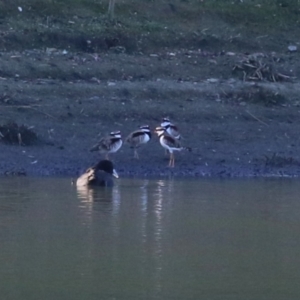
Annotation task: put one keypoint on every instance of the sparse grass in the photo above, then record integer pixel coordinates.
(280, 161)
(257, 95)
(141, 23)
(270, 13)
(12, 133)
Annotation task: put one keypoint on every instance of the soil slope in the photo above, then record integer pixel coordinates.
(237, 107)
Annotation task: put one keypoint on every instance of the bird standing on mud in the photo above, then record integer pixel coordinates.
(100, 175)
(171, 128)
(109, 144)
(138, 137)
(169, 143)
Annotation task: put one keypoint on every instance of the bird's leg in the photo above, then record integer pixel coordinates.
(106, 156)
(136, 155)
(172, 160)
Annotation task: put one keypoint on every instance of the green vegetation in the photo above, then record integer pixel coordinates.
(141, 24)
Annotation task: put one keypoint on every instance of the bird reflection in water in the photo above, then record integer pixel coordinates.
(98, 199)
(99, 208)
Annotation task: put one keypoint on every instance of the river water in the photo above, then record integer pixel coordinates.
(150, 239)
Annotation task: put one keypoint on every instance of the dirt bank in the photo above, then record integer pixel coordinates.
(235, 128)
(231, 86)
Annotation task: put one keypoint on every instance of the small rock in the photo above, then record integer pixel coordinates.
(50, 50)
(212, 80)
(94, 98)
(212, 61)
(292, 48)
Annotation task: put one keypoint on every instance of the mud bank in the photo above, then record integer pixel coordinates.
(229, 138)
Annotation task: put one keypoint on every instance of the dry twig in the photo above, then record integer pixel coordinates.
(257, 119)
(255, 69)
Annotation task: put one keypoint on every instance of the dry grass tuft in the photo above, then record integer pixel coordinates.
(280, 161)
(14, 134)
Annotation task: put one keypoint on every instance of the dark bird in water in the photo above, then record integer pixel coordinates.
(109, 144)
(99, 175)
(138, 137)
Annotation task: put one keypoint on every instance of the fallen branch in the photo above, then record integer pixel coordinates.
(254, 68)
(257, 119)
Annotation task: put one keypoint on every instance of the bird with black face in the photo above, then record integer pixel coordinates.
(171, 129)
(109, 144)
(169, 143)
(138, 137)
(99, 175)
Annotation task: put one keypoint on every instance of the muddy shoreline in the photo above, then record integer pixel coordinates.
(235, 128)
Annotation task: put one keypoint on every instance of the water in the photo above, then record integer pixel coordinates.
(150, 239)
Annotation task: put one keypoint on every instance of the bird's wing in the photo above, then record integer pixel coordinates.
(171, 142)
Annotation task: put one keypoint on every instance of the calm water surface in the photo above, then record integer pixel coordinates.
(150, 239)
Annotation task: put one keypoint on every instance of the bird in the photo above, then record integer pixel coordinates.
(99, 175)
(171, 128)
(138, 137)
(169, 143)
(109, 144)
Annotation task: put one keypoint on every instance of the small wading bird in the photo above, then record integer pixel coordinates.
(169, 143)
(100, 175)
(138, 137)
(171, 129)
(109, 144)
